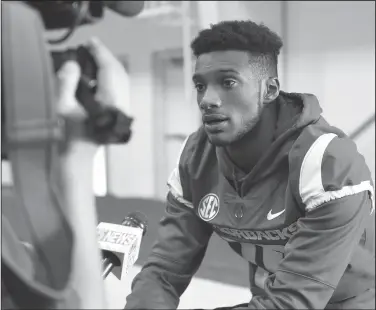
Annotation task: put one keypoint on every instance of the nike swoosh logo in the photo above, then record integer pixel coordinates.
(271, 216)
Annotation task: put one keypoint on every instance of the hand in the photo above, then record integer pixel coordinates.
(72, 112)
(111, 77)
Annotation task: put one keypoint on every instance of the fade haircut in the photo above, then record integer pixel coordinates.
(262, 44)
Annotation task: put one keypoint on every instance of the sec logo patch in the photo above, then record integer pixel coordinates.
(208, 207)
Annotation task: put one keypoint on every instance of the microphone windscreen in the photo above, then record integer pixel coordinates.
(141, 217)
(136, 219)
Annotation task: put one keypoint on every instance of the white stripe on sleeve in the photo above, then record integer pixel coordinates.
(311, 188)
(174, 183)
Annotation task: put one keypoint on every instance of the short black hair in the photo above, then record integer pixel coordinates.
(262, 44)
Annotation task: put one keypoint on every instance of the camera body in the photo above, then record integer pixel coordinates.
(28, 72)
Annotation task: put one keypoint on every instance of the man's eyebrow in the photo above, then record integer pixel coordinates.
(229, 71)
(198, 75)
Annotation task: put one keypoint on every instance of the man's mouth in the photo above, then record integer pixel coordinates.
(214, 118)
(215, 122)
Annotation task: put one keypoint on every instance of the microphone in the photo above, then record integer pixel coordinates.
(126, 8)
(120, 244)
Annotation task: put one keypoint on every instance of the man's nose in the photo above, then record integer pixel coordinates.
(210, 100)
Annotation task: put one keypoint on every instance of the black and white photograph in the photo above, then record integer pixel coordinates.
(188, 155)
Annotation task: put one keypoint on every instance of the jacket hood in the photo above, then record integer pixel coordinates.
(295, 111)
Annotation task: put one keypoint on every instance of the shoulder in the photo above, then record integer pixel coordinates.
(196, 155)
(325, 165)
(195, 150)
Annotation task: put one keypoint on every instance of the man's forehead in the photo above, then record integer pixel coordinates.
(222, 61)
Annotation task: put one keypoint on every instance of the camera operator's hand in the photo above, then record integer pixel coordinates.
(72, 112)
(111, 76)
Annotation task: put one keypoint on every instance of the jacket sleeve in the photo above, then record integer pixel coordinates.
(177, 254)
(335, 188)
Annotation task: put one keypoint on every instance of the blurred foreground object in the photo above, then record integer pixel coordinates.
(51, 170)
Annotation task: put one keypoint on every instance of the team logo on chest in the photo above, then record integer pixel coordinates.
(208, 207)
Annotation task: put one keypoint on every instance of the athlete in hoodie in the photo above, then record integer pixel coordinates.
(289, 192)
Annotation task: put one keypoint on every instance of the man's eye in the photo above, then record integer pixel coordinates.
(229, 83)
(199, 87)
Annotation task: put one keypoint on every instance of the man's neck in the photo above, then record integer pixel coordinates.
(246, 152)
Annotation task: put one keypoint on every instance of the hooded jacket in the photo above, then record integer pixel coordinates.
(303, 217)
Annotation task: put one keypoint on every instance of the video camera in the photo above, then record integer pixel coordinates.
(28, 114)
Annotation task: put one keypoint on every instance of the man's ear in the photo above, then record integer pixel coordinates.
(271, 90)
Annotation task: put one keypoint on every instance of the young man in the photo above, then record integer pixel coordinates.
(266, 172)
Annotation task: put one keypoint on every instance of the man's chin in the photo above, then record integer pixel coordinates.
(222, 139)
(218, 140)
